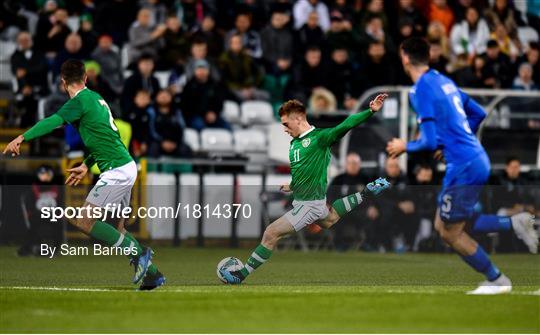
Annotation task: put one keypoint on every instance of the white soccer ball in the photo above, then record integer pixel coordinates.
(229, 264)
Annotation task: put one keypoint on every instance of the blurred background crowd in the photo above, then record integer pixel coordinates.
(324, 53)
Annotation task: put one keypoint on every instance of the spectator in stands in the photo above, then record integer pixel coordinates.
(207, 30)
(303, 8)
(72, 50)
(437, 60)
(199, 51)
(176, 43)
(241, 75)
(167, 128)
(142, 79)
(506, 45)
(52, 31)
(88, 35)
(310, 34)
(107, 56)
(475, 75)
(503, 13)
(436, 33)
(377, 68)
(533, 57)
(439, 11)
(29, 66)
(322, 101)
(405, 30)
(139, 118)
(498, 66)
(344, 8)
(309, 74)
(407, 9)
(510, 196)
(95, 82)
(374, 31)
(373, 8)
(158, 11)
(342, 78)
(524, 80)
(277, 40)
(470, 36)
(202, 99)
(349, 182)
(340, 33)
(145, 38)
(397, 210)
(251, 41)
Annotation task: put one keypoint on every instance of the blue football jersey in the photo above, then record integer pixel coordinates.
(455, 116)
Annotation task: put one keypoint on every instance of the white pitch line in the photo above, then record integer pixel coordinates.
(55, 288)
(188, 290)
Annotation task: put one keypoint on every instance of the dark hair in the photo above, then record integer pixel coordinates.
(512, 159)
(292, 106)
(492, 44)
(198, 39)
(313, 48)
(417, 49)
(72, 71)
(145, 56)
(534, 45)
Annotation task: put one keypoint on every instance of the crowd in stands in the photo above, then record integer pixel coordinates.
(402, 219)
(324, 53)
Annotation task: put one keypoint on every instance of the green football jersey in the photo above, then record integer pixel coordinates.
(89, 113)
(309, 156)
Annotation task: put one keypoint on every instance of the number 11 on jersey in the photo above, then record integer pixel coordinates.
(296, 155)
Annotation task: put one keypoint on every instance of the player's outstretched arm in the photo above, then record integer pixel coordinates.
(41, 128)
(375, 105)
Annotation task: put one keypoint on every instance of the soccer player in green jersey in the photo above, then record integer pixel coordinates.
(309, 155)
(90, 114)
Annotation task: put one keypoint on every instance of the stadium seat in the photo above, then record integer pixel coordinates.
(231, 112)
(6, 50)
(249, 140)
(278, 147)
(124, 56)
(41, 108)
(216, 140)
(163, 78)
(527, 35)
(191, 138)
(257, 112)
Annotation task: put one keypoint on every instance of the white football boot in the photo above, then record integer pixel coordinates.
(500, 285)
(523, 225)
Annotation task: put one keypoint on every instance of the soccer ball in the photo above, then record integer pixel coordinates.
(229, 264)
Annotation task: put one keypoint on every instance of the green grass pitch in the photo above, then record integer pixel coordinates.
(295, 293)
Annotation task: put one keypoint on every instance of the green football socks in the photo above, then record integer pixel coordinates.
(346, 204)
(259, 256)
